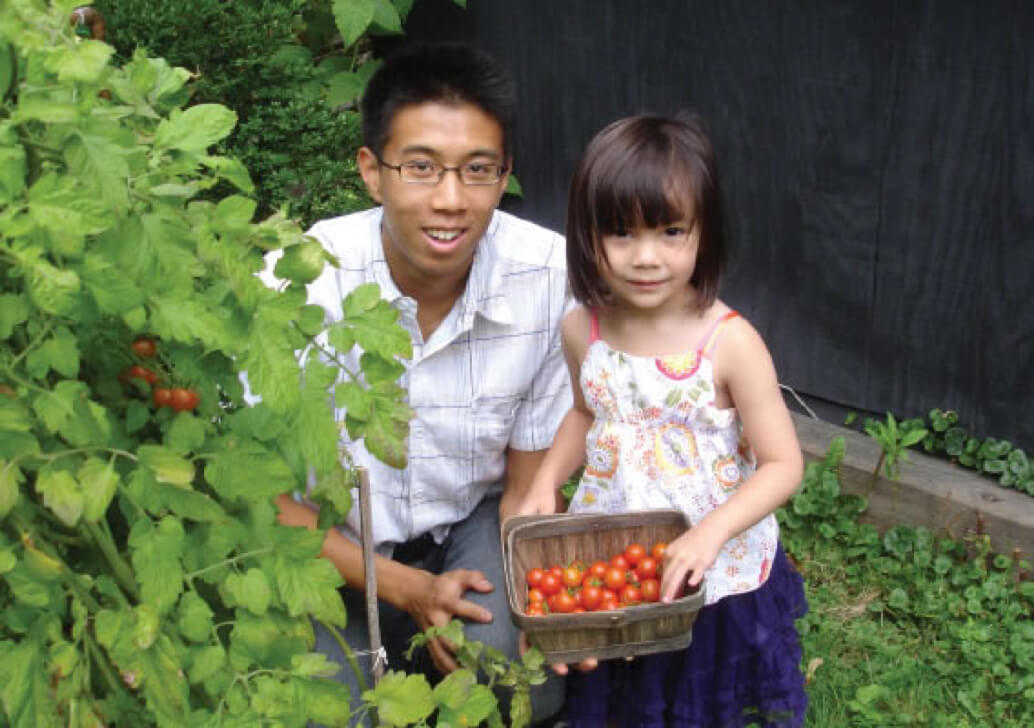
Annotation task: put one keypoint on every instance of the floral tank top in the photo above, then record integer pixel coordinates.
(659, 441)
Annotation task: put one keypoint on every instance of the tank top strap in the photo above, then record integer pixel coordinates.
(711, 337)
(594, 326)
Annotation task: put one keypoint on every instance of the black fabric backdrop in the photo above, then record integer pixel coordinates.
(878, 161)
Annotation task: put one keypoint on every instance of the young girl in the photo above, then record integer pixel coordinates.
(677, 406)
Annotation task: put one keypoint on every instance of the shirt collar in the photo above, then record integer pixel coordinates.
(484, 293)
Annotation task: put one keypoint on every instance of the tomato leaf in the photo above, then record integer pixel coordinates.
(14, 309)
(248, 470)
(99, 481)
(61, 494)
(301, 263)
(250, 590)
(310, 587)
(401, 699)
(374, 321)
(195, 129)
(10, 477)
(26, 687)
(166, 465)
(194, 617)
(156, 558)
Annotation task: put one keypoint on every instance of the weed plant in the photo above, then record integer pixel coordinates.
(909, 628)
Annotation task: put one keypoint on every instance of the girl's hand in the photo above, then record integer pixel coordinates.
(687, 558)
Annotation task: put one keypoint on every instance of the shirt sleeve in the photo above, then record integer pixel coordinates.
(548, 398)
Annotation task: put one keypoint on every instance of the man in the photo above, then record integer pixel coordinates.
(482, 294)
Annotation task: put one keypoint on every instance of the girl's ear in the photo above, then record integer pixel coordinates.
(370, 171)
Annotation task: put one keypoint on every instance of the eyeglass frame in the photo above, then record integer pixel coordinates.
(502, 169)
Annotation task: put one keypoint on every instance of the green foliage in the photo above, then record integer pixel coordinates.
(143, 576)
(290, 81)
(997, 458)
(460, 700)
(915, 629)
(893, 440)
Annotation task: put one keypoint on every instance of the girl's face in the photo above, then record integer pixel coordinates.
(650, 267)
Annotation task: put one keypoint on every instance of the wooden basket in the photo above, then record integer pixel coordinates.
(530, 541)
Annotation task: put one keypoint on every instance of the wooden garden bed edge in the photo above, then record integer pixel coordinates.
(943, 497)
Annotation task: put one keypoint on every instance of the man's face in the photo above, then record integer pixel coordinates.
(431, 231)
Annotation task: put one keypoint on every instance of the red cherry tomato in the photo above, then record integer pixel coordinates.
(536, 595)
(564, 603)
(609, 600)
(572, 577)
(183, 400)
(144, 347)
(536, 609)
(615, 578)
(598, 569)
(658, 551)
(619, 561)
(650, 590)
(162, 396)
(630, 595)
(550, 584)
(592, 597)
(534, 576)
(138, 372)
(556, 570)
(634, 552)
(646, 568)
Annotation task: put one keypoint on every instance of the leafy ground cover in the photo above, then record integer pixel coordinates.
(906, 628)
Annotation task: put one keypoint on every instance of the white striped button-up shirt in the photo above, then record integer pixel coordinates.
(491, 376)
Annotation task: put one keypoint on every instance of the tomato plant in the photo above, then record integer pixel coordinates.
(144, 579)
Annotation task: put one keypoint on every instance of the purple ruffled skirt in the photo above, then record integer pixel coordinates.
(741, 669)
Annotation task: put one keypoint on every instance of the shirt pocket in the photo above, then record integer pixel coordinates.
(493, 420)
(493, 423)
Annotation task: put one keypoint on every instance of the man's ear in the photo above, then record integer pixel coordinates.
(370, 170)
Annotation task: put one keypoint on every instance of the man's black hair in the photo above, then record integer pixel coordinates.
(449, 73)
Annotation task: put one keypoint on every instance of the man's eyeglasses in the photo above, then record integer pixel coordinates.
(426, 172)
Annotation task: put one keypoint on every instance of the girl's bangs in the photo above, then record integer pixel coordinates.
(642, 193)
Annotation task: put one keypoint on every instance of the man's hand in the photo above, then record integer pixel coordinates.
(436, 600)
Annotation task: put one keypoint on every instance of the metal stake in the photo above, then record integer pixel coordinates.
(366, 538)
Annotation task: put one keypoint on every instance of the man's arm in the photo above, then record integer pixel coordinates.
(431, 600)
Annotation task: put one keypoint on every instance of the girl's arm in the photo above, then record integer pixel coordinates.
(567, 453)
(744, 369)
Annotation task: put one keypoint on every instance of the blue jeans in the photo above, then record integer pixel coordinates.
(471, 544)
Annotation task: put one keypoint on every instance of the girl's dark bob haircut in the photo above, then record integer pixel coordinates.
(645, 171)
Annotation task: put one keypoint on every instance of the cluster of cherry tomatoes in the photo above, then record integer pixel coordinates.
(181, 399)
(629, 577)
